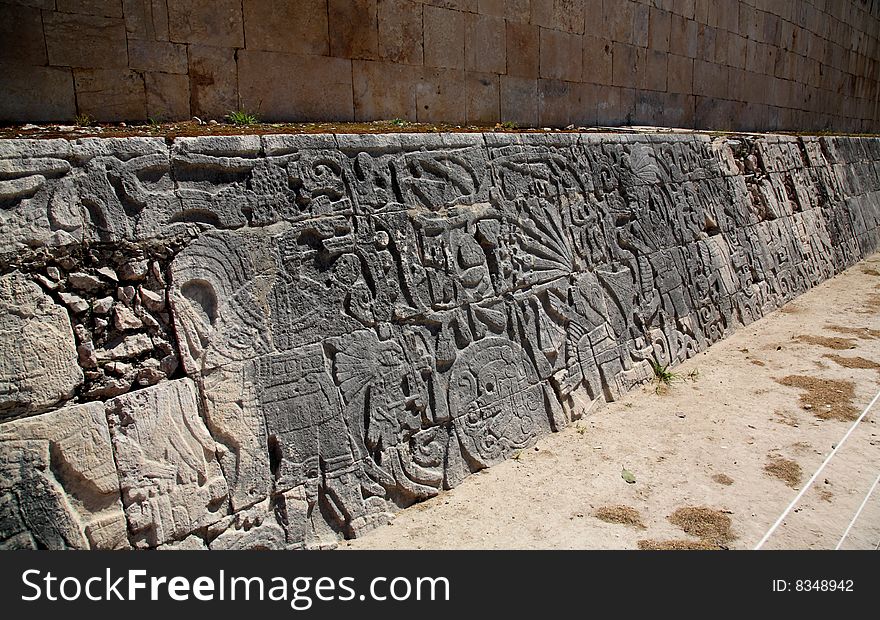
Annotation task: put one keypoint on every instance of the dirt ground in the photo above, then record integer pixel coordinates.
(716, 458)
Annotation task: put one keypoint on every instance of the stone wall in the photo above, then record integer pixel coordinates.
(273, 341)
(717, 64)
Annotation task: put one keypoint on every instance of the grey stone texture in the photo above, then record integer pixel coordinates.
(810, 65)
(277, 341)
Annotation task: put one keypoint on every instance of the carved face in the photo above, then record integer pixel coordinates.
(497, 406)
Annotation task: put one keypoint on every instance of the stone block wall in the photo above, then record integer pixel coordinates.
(717, 64)
(275, 341)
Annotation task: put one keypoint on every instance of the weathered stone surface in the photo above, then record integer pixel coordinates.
(58, 482)
(283, 26)
(213, 81)
(168, 96)
(384, 90)
(400, 31)
(485, 48)
(36, 93)
(320, 88)
(39, 368)
(206, 22)
(160, 56)
(86, 41)
(355, 33)
(298, 334)
(21, 30)
(115, 95)
(561, 55)
(444, 37)
(146, 19)
(167, 462)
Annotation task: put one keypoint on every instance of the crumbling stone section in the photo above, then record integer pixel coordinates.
(277, 341)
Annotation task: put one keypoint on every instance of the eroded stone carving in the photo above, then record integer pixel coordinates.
(296, 335)
(58, 484)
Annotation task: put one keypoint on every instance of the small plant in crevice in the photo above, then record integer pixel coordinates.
(398, 122)
(242, 117)
(663, 377)
(83, 120)
(509, 125)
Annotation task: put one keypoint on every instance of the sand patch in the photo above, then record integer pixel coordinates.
(828, 399)
(785, 469)
(838, 344)
(853, 362)
(710, 525)
(621, 515)
(723, 479)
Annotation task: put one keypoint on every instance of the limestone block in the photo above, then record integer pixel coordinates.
(565, 15)
(21, 30)
(146, 19)
(659, 29)
(281, 26)
(444, 37)
(519, 100)
(167, 96)
(400, 31)
(655, 68)
(355, 32)
(597, 61)
(59, 486)
(112, 94)
(160, 56)
(213, 81)
(439, 96)
(628, 66)
(167, 463)
(85, 41)
(483, 98)
(217, 23)
(485, 47)
(680, 72)
(295, 88)
(384, 90)
(522, 42)
(38, 94)
(710, 80)
(39, 367)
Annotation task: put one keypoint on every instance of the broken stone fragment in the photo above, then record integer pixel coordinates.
(109, 389)
(125, 294)
(54, 273)
(108, 273)
(149, 376)
(152, 300)
(135, 270)
(120, 369)
(87, 357)
(131, 346)
(84, 281)
(124, 319)
(103, 305)
(77, 304)
(48, 284)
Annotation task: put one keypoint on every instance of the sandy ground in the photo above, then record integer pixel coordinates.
(705, 442)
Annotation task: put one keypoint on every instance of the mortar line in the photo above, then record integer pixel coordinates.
(858, 512)
(816, 475)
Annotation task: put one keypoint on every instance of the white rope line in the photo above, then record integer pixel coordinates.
(858, 512)
(816, 475)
